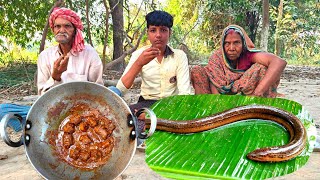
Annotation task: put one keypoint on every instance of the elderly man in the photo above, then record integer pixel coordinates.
(68, 61)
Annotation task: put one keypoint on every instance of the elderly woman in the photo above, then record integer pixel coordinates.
(238, 68)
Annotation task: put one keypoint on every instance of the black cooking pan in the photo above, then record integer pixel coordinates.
(45, 117)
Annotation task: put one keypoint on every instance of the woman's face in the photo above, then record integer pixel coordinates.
(233, 45)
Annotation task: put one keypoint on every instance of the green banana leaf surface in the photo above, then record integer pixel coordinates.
(220, 153)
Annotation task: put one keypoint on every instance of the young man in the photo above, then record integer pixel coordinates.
(164, 71)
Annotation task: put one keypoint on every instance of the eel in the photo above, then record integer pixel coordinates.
(290, 122)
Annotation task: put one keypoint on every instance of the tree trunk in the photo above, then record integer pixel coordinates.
(117, 21)
(58, 3)
(105, 43)
(265, 25)
(252, 19)
(88, 22)
(278, 28)
(120, 60)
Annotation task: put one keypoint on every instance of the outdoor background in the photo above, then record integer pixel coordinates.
(115, 28)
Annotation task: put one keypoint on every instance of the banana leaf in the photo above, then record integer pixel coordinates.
(220, 153)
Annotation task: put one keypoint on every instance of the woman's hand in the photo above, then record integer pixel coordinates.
(258, 93)
(275, 67)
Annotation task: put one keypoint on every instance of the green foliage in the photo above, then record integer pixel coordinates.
(20, 20)
(17, 73)
(220, 153)
(298, 29)
(97, 18)
(221, 13)
(17, 55)
(299, 32)
(17, 67)
(186, 29)
(134, 20)
(198, 24)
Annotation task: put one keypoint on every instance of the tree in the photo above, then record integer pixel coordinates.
(219, 14)
(88, 22)
(117, 23)
(298, 31)
(120, 59)
(19, 21)
(106, 34)
(265, 25)
(252, 19)
(58, 3)
(197, 24)
(277, 34)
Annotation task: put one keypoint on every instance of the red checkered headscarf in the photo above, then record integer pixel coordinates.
(68, 14)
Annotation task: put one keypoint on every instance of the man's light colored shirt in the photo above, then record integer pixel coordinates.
(159, 80)
(82, 66)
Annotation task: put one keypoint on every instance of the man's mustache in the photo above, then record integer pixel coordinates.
(62, 34)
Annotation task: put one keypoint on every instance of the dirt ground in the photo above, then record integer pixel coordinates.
(298, 83)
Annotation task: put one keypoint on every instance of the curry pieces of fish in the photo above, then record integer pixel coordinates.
(85, 139)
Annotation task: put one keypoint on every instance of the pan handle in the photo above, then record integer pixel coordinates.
(153, 123)
(3, 132)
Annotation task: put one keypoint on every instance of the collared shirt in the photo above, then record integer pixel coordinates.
(83, 66)
(159, 80)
